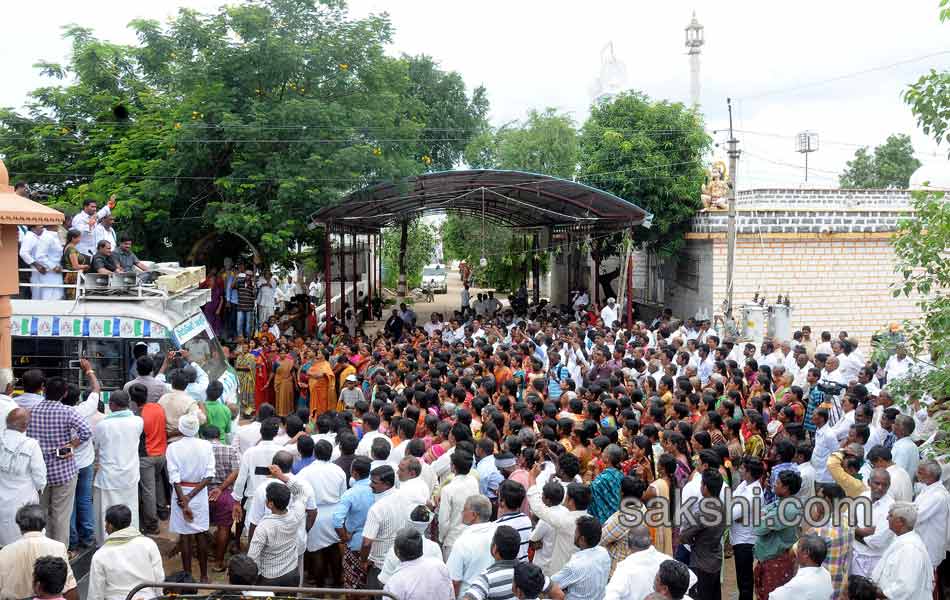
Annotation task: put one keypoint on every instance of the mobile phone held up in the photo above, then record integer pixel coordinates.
(64, 452)
(262, 470)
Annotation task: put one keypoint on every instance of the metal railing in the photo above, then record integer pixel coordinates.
(240, 591)
(115, 286)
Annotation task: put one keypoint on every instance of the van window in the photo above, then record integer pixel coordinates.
(48, 354)
(108, 360)
(206, 351)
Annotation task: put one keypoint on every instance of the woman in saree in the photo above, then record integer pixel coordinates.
(284, 383)
(322, 384)
(245, 365)
(73, 262)
(664, 486)
(303, 385)
(262, 378)
(361, 359)
(213, 308)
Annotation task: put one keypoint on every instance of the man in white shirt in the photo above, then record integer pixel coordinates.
(904, 571)
(411, 485)
(899, 365)
(578, 499)
(85, 222)
(17, 559)
(22, 470)
(329, 483)
(126, 559)
(812, 581)
(257, 458)
(116, 439)
(471, 552)
(266, 298)
(933, 511)
(742, 530)
(872, 535)
(105, 231)
(420, 577)
(803, 455)
(544, 534)
(370, 434)
(419, 519)
(825, 444)
(385, 518)
(901, 488)
(585, 575)
(433, 325)
(608, 314)
(452, 501)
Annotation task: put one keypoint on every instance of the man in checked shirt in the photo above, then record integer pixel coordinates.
(227, 463)
(60, 430)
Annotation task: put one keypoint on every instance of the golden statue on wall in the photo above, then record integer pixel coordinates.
(715, 191)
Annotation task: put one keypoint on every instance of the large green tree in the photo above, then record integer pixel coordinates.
(650, 153)
(889, 166)
(245, 120)
(420, 240)
(921, 245)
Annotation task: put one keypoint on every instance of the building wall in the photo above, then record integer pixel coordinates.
(690, 290)
(834, 282)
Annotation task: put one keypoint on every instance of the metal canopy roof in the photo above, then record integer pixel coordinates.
(513, 198)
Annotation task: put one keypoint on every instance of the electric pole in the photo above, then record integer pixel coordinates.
(731, 232)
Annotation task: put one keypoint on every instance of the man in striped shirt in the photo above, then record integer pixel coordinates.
(495, 583)
(510, 496)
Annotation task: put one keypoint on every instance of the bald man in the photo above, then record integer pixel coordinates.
(22, 470)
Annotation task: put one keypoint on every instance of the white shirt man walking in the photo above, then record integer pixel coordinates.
(116, 438)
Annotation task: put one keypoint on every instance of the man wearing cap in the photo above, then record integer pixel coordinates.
(351, 393)
(608, 314)
(190, 463)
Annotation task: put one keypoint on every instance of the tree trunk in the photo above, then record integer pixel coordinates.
(404, 234)
(605, 281)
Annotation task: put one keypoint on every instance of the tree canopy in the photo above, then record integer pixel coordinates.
(245, 120)
(890, 166)
(648, 152)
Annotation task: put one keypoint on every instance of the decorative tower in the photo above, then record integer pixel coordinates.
(613, 75)
(694, 44)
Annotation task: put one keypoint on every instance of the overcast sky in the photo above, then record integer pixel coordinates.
(532, 54)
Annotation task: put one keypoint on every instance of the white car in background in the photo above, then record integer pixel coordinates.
(435, 278)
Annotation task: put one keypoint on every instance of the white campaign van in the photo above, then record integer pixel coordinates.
(107, 320)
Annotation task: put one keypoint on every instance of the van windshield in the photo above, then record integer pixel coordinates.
(206, 351)
(429, 272)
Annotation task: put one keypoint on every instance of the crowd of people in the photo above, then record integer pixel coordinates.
(560, 454)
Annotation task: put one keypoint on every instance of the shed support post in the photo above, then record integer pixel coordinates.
(403, 235)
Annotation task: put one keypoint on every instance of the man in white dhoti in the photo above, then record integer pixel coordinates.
(266, 299)
(116, 439)
(47, 257)
(28, 255)
(873, 536)
(22, 470)
(904, 571)
(328, 482)
(190, 464)
(127, 559)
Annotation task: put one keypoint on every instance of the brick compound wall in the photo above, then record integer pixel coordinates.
(828, 250)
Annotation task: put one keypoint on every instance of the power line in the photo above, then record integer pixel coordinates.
(845, 76)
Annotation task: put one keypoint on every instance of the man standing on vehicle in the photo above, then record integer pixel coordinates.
(105, 231)
(85, 222)
(60, 430)
(125, 257)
